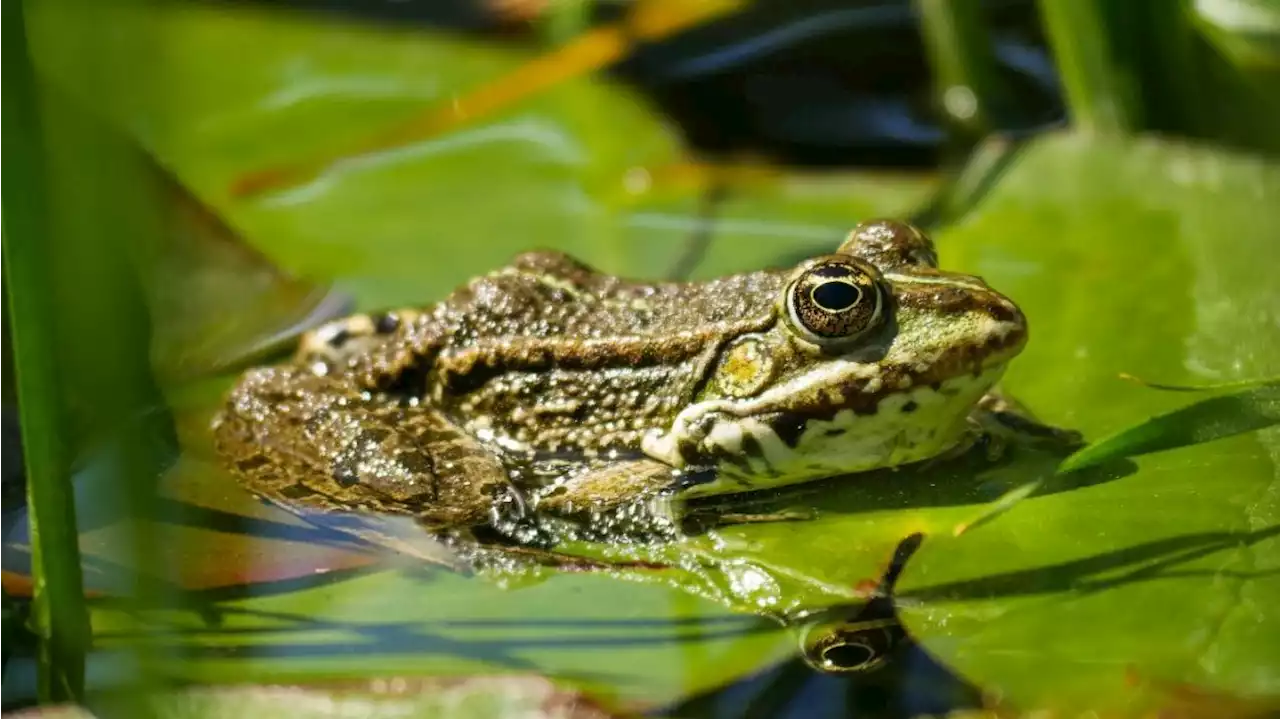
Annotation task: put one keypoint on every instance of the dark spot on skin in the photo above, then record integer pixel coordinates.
(692, 479)
(835, 432)
(789, 428)
(345, 476)
(910, 406)
(339, 338)
(248, 465)
(386, 323)
(416, 462)
(935, 386)
(751, 447)
(467, 381)
(296, 491)
(375, 434)
(409, 383)
(867, 410)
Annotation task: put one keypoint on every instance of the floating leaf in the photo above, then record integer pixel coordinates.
(1124, 254)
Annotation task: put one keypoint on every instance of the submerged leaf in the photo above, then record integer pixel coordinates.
(480, 697)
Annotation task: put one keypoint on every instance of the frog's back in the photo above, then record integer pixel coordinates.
(550, 296)
(551, 354)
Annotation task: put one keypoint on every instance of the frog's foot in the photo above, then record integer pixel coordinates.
(997, 424)
(336, 343)
(1017, 428)
(999, 415)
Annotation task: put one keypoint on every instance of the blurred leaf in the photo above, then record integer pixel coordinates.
(56, 711)
(584, 167)
(1246, 30)
(1152, 258)
(1238, 87)
(217, 305)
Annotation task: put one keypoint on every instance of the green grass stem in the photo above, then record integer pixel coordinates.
(1101, 89)
(59, 615)
(964, 66)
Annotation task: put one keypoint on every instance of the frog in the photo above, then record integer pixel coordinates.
(547, 388)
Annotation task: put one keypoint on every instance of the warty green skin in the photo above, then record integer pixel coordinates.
(564, 390)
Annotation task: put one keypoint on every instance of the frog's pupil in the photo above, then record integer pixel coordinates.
(836, 296)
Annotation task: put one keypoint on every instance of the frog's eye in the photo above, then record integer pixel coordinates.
(835, 299)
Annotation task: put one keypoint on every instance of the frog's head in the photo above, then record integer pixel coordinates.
(875, 359)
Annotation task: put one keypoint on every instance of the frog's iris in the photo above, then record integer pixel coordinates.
(834, 299)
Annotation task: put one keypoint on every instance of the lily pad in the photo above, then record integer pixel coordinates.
(1141, 257)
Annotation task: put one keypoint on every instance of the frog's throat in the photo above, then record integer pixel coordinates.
(905, 426)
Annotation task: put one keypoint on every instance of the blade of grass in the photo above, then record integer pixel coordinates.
(1002, 504)
(964, 67)
(1203, 421)
(59, 616)
(1101, 90)
(1170, 67)
(1218, 386)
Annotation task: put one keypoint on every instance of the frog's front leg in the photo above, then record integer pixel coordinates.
(997, 422)
(313, 441)
(1003, 420)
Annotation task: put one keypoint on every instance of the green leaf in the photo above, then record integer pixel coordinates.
(1118, 587)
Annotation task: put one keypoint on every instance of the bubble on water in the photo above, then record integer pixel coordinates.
(752, 585)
